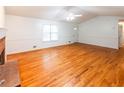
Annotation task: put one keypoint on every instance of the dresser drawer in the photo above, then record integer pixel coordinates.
(2, 44)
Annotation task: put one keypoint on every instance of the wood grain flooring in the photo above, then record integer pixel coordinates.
(74, 65)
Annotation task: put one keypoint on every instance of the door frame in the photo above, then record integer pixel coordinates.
(119, 34)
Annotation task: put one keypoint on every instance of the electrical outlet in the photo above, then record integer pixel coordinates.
(34, 46)
(69, 41)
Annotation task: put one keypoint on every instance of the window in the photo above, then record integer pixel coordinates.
(46, 33)
(50, 33)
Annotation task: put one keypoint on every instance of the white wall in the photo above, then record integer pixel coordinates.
(101, 31)
(24, 32)
(2, 17)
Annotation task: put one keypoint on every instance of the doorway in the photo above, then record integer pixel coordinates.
(121, 33)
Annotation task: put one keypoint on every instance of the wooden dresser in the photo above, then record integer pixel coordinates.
(2, 50)
(9, 71)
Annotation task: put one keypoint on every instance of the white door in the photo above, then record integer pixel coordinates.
(120, 35)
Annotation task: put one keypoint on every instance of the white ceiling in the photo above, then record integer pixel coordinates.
(60, 13)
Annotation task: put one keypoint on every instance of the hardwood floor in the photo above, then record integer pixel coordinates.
(72, 65)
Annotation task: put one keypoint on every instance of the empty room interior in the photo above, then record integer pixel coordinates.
(61, 46)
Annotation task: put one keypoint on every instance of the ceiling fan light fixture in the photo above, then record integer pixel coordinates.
(70, 17)
(67, 18)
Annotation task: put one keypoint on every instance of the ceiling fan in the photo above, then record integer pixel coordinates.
(72, 16)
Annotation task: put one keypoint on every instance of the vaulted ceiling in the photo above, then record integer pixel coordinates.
(59, 13)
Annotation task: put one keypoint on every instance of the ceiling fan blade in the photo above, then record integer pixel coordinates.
(77, 15)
